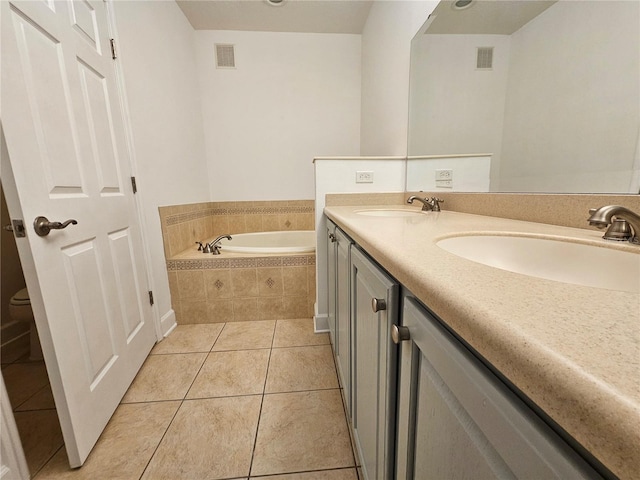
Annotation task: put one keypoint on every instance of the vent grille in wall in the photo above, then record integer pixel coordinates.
(484, 60)
(225, 56)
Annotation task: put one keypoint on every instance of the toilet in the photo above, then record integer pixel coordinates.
(20, 310)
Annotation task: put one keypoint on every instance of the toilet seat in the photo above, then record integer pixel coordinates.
(20, 298)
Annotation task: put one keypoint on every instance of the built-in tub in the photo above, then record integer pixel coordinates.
(257, 276)
(296, 241)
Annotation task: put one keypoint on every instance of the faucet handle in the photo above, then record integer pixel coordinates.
(619, 230)
(435, 203)
(200, 248)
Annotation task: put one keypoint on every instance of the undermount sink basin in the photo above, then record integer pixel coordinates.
(389, 212)
(562, 261)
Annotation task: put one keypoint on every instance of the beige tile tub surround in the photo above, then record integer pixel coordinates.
(228, 288)
(237, 287)
(183, 225)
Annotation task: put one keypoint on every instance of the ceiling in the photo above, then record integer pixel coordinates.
(305, 16)
(498, 17)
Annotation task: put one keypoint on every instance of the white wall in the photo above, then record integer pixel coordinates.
(291, 97)
(583, 124)
(386, 44)
(456, 108)
(467, 173)
(338, 175)
(156, 47)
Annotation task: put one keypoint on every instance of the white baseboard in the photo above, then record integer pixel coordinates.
(168, 322)
(321, 323)
(13, 330)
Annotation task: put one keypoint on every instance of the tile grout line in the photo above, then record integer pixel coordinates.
(264, 388)
(35, 474)
(155, 450)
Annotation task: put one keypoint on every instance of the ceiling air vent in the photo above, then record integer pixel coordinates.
(225, 56)
(484, 60)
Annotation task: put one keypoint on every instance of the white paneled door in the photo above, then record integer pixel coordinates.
(63, 124)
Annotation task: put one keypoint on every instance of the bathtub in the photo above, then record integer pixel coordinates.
(296, 241)
(258, 276)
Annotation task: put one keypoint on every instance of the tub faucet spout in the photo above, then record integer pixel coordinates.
(604, 216)
(214, 247)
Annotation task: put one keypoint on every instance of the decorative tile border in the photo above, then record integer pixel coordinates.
(244, 262)
(241, 210)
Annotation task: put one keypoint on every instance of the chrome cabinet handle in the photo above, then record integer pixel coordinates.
(378, 304)
(333, 238)
(43, 226)
(399, 334)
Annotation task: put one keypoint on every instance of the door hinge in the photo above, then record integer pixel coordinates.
(150, 297)
(133, 185)
(114, 53)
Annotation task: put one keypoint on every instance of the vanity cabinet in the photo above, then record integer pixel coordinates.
(375, 300)
(457, 419)
(422, 403)
(339, 296)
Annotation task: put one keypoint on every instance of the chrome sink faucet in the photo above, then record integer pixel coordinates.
(623, 223)
(432, 204)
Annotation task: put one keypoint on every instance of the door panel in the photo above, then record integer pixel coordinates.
(42, 61)
(101, 135)
(129, 294)
(92, 318)
(83, 19)
(65, 135)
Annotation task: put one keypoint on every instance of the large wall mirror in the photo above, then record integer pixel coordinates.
(551, 89)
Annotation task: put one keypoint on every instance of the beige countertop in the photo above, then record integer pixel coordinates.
(573, 350)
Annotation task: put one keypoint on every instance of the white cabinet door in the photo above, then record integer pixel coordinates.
(458, 420)
(374, 308)
(62, 119)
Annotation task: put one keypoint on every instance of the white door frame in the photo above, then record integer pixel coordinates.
(124, 104)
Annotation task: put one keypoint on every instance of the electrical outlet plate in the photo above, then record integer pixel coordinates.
(444, 174)
(444, 183)
(364, 176)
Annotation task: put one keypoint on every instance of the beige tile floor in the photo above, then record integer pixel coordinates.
(32, 403)
(226, 401)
